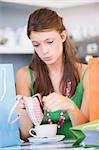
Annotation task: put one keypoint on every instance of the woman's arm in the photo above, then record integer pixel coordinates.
(55, 101)
(82, 115)
(22, 88)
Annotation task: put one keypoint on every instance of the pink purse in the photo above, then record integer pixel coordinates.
(34, 108)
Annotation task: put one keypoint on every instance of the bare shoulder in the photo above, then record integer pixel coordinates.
(23, 78)
(23, 81)
(81, 69)
(23, 73)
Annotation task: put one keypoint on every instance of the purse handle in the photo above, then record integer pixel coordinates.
(12, 110)
(3, 74)
(16, 103)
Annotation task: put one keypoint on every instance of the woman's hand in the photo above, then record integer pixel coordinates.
(20, 108)
(22, 103)
(25, 122)
(54, 102)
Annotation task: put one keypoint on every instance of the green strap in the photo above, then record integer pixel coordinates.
(84, 73)
(32, 82)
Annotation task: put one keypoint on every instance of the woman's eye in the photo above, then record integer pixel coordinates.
(36, 45)
(50, 42)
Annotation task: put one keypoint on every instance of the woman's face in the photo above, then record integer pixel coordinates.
(48, 45)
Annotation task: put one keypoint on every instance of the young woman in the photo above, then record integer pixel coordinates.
(55, 73)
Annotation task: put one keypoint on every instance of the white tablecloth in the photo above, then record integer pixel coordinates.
(66, 144)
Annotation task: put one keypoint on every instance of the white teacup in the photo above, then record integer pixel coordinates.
(46, 130)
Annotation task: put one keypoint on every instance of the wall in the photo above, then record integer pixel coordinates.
(84, 16)
(15, 16)
(17, 60)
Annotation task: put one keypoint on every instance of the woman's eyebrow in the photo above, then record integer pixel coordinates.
(43, 40)
(35, 42)
(50, 38)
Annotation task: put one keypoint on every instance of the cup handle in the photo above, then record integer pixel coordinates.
(30, 132)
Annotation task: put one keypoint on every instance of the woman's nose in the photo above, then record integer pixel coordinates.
(44, 49)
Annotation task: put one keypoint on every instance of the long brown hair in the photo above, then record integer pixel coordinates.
(41, 20)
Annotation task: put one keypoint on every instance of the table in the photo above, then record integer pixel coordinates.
(62, 145)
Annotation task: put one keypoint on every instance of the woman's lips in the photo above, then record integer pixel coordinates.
(47, 58)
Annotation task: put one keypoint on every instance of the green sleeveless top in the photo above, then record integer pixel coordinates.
(76, 98)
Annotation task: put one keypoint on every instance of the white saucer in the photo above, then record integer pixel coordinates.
(39, 140)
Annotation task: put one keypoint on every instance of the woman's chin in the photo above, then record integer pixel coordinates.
(50, 62)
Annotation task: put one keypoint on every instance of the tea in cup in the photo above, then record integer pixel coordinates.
(45, 130)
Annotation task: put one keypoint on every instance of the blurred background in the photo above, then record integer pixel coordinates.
(81, 18)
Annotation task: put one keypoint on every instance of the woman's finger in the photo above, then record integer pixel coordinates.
(22, 112)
